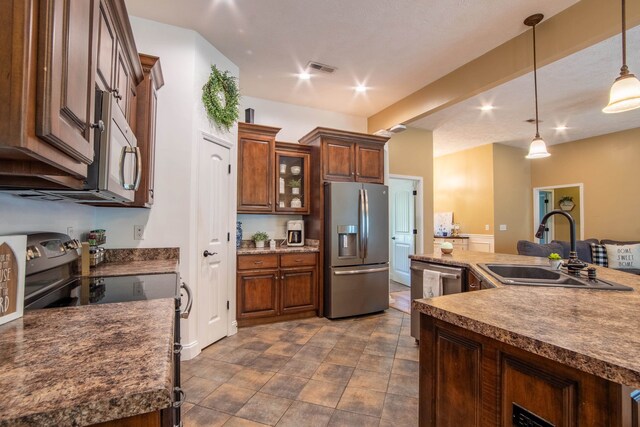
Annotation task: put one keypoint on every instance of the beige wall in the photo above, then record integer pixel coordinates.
(608, 167)
(463, 184)
(512, 197)
(411, 153)
(561, 225)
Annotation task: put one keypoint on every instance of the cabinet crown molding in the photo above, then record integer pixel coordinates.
(343, 135)
(258, 129)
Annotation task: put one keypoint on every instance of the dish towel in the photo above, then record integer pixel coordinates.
(431, 284)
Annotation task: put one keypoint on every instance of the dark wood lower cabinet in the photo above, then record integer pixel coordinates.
(257, 294)
(298, 290)
(467, 379)
(276, 287)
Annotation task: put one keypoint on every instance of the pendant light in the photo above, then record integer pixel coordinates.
(625, 92)
(537, 149)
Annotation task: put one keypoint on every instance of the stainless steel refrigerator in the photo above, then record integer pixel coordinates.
(356, 272)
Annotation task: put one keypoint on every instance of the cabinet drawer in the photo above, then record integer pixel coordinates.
(295, 260)
(252, 262)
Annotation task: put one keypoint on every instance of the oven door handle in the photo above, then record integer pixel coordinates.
(187, 309)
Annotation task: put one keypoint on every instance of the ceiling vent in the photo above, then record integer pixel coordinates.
(321, 67)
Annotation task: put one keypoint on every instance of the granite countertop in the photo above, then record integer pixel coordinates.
(83, 365)
(133, 268)
(591, 330)
(278, 250)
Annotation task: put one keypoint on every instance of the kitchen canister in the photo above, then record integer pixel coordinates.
(238, 234)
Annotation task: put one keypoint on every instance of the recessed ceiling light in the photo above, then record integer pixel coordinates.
(561, 127)
(304, 76)
(361, 88)
(487, 107)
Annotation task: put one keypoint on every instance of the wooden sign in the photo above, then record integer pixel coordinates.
(12, 275)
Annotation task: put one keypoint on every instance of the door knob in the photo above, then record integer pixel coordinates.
(207, 253)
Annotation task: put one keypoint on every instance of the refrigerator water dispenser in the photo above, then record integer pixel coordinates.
(347, 241)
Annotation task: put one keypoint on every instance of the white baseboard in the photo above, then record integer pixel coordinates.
(190, 350)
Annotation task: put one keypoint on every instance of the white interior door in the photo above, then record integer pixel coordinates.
(214, 209)
(402, 224)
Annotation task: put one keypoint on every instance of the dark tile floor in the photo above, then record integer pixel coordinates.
(314, 372)
(397, 287)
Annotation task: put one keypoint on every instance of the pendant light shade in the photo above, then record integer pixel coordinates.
(624, 96)
(625, 92)
(538, 148)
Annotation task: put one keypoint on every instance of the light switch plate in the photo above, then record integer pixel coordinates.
(503, 227)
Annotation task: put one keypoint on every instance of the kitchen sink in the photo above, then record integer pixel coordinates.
(536, 275)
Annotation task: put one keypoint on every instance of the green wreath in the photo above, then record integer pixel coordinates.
(220, 96)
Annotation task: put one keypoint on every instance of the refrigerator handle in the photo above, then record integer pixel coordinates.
(366, 225)
(361, 221)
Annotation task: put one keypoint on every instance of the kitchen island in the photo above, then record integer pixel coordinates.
(517, 353)
(84, 365)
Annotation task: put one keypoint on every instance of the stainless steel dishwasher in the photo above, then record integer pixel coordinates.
(451, 284)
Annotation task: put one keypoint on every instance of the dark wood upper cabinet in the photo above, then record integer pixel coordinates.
(338, 160)
(145, 118)
(292, 168)
(54, 54)
(369, 163)
(66, 75)
(256, 157)
(348, 156)
(106, 50)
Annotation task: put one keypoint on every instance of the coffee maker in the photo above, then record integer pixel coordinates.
(295, 233)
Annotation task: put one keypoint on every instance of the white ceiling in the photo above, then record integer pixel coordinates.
(394, 47)
(572, 92)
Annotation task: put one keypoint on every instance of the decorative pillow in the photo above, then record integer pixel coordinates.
(599, 255)
(623, 256)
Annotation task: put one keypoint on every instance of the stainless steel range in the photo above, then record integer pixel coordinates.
(52, 281)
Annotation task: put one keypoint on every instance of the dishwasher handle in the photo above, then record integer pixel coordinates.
(443, 275)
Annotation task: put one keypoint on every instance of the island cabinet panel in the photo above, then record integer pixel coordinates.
(258, 294)
(369, 163)
(298, 289)
(457, 382)
(472, 380)
(549, 396)
(66, 78)
(339, 160)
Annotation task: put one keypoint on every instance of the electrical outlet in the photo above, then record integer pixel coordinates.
(71, 232)
(138, 232)
(503, 227)
(486, 227)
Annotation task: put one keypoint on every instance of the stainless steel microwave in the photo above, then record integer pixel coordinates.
(115, 173)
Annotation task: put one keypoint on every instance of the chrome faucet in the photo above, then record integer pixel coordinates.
(573, 264)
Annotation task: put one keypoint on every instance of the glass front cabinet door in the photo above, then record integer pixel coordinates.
(292, 182)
